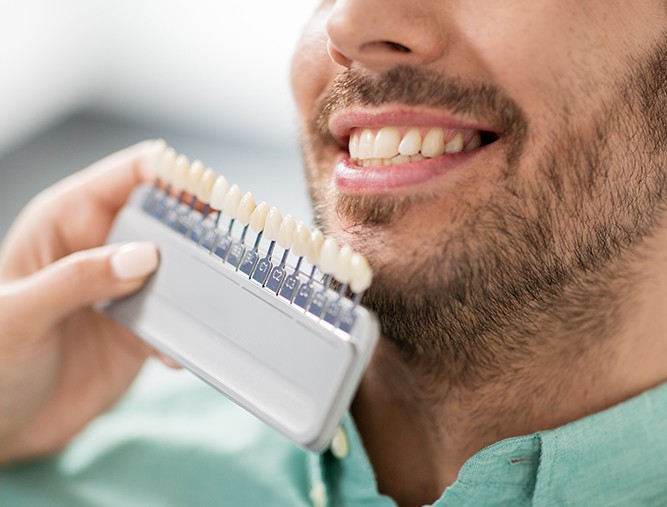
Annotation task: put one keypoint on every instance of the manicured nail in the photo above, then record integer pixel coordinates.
(134, 260)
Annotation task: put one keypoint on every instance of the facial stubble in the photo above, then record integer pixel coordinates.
(547, 257)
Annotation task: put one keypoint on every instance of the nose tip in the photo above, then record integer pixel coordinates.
(337, 56)
(379, 34)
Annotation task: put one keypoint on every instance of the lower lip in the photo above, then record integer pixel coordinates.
(351, 178)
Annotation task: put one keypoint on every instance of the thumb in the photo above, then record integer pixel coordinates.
(89, 276)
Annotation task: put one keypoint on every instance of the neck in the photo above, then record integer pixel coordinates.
(419, 427)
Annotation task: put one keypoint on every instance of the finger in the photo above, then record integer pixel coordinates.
(91, 198)
(109, 180)
(86, 277)
(167, 361)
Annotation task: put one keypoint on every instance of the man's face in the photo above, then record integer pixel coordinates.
(470, 244)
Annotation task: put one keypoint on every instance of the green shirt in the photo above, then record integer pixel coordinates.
(180, 443)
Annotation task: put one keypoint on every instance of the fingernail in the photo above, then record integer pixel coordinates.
(134, 260)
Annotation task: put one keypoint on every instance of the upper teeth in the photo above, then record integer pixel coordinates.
(386, 146)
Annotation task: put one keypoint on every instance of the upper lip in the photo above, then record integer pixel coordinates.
(342, 122)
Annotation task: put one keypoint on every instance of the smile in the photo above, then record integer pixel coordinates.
(384, 150)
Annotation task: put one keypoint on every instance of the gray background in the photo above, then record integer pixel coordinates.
(83, 78)
(74, 143)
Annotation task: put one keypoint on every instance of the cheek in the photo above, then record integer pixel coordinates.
(312, 70)
(518, 45)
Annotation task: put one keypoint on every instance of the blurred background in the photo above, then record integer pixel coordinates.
(82, 78)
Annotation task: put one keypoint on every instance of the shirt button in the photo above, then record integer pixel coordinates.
(317, 495)
(340, 447)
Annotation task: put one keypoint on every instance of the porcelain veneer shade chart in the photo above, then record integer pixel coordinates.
(242, 298)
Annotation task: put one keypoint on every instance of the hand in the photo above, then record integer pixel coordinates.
(61, 362)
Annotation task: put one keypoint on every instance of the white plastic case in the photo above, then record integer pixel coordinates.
(291, 369)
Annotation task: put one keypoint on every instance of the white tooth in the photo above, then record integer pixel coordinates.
(417, 158)
(328, 256)
(361, 274)
(272, 225)
(206, 186)
(376, 162)
(434, 143)
(386, 143)
(218, 192)
(152, 160)
(474, 143)
(456, 143)
(366, 162)
(353, 146)
(366, 140)
(232, 200)
(166, 165)
(400, 159)
(343, 270)
(286, 233)
(180, 176)
(246, 207)
(194, 177)
(386, 161)
(258, 217)
(315, 246)
(411, 143)
(301, 240)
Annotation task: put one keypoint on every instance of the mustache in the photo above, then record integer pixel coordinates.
(420, 87)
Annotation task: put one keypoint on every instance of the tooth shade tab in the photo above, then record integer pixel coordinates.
(258, 217)
(286, 233)
(272, 225)
(166, 166)
(343, 268)
(390, 145)
(153, 162)
(315, 247)
(232, 201)
(194, 177)
(205, 187)
(361, 274)
(181, 169)
(218, 193)
(245, 209)
(301, 240)
(328, 256)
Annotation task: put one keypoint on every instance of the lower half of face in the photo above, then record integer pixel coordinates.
(525, 231)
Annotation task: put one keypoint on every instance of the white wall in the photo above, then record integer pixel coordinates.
(215, 66)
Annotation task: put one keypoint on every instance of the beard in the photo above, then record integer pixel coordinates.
(539, 267)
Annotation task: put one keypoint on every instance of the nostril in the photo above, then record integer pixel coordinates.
(399, 48)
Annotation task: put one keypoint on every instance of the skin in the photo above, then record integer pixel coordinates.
(538, 266)
(61, 362)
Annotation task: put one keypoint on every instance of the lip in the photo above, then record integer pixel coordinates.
(353, 179)
(342, 122)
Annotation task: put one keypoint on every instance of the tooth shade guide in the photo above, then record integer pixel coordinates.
(299, 264)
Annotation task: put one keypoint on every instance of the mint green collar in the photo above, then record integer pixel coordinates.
(615, 457)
